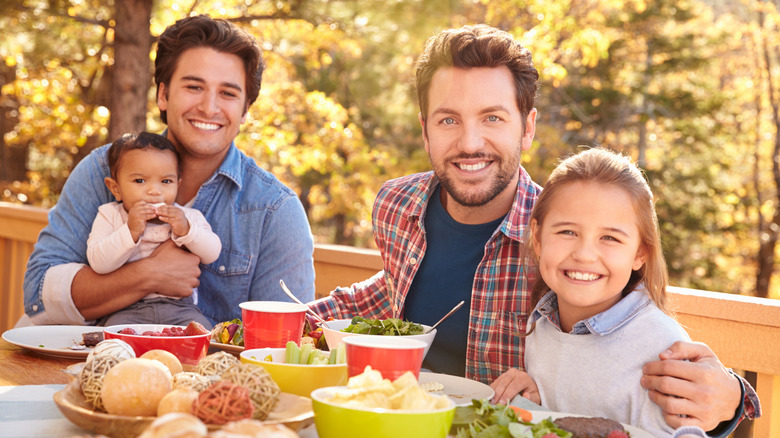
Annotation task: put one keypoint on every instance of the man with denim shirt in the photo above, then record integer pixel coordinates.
(208, 73)
(476, 88)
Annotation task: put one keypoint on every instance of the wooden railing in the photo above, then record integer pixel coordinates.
(19, 228)
(743, 331)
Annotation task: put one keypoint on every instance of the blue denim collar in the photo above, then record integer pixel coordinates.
(602, 324)
(231, 166)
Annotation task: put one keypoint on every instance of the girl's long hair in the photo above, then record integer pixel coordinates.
(606, 167)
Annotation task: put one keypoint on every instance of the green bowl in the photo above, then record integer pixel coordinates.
(335, 421)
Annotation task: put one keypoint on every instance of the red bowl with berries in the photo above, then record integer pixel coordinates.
(190, 344)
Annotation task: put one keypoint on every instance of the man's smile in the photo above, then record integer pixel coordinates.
(473, 167)
(205, 126)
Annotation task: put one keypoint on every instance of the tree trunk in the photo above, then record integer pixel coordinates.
(340, 221)
(132, 68)
(644, 110)
(768, 234)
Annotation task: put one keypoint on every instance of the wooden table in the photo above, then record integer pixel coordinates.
(19, 366)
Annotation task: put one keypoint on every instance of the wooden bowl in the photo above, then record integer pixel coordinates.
(291, 410)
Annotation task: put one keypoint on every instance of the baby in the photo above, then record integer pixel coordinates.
(144, 180)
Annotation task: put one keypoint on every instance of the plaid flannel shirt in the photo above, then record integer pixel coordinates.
(500, 300)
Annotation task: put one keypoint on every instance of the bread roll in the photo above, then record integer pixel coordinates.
(167, 358)
(176, 425)
(135, 387)
(178, 400)
(255, 428)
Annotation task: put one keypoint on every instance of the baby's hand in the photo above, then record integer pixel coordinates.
(174, 216)
(137, 217)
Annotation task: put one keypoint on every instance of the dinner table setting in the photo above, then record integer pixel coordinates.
(44, 391)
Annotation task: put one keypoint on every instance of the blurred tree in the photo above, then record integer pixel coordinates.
(686, 91)
(130, 75)
(57, 58)
(641, 77)
(767, 20)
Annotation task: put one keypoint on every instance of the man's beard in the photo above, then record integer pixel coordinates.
(469, 196)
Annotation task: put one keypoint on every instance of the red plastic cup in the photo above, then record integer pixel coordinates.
(390, 355)
(271, 323)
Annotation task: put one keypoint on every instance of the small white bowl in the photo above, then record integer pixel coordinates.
(334, 336)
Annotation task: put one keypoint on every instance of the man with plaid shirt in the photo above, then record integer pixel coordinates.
(456, 233)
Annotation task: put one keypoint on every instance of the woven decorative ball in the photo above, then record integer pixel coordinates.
(188, 379)
(222, 403)
(91, 379)
(112, 347)
(216, 364)
(262, 388)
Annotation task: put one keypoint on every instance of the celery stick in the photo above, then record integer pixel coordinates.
(292, 352)
(305, 353)
(315, 354)
(341, 356)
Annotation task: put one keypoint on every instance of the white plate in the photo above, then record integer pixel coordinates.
(460, 389)
(541, 415)
(230, 348)
(51, 340)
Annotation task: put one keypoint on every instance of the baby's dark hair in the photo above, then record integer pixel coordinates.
(131, 141)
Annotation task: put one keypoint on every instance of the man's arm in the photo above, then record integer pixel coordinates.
(60, 251)
(692, 387)
(286, 253)
(169, 270)
(368, 299)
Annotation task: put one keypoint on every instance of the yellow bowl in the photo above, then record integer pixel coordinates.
(292, 378)
(336, 421)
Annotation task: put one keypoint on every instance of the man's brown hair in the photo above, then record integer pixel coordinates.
(218, 34)
(477, 46)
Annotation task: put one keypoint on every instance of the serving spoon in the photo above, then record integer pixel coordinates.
(457, 306)
(294, 298)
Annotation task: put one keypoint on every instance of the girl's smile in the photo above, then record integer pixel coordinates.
(588, 245)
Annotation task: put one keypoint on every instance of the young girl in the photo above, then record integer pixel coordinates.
(145, 180)
(600, 293)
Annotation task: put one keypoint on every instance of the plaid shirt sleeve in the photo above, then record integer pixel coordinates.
(399, 237)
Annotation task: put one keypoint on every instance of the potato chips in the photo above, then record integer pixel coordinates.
(370, 390)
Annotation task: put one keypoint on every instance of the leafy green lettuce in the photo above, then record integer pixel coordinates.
(485, 420)
(389, 327)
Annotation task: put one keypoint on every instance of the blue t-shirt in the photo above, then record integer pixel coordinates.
(445, 277)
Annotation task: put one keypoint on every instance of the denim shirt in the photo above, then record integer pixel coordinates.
(262, 225)
(603, 323)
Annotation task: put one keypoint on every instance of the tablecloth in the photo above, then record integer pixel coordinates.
(29, 412)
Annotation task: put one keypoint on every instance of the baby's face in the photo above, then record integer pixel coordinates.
(147, 175)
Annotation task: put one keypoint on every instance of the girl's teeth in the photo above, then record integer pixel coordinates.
(585, 276)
